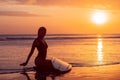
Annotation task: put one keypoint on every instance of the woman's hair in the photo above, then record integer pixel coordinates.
(42, 31)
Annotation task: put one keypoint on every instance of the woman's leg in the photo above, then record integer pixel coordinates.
(48, 65)
(43, 65)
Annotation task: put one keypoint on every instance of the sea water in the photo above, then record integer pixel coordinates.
(77, 49)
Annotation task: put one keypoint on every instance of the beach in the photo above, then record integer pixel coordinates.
(109, 72)
(93, 57)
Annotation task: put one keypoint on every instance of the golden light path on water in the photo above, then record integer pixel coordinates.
(100, 51)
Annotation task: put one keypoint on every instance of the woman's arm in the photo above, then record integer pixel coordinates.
(30, 54)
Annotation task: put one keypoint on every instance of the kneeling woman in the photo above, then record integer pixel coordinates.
(41, 45)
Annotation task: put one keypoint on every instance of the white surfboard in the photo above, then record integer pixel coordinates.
(61, 65)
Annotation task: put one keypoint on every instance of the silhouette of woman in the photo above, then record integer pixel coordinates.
(41, 45)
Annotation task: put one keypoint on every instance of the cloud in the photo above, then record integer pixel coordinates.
(20, 13)
(103, 4)
(8, 2)
(18, 1)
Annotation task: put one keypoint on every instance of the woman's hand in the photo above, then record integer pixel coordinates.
(23, 64)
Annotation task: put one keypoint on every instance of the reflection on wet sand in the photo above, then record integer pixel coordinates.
(44, 75)
(40, 76)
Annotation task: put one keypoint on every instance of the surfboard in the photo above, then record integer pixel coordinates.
(61, 65)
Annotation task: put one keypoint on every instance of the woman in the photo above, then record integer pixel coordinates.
(41, 45)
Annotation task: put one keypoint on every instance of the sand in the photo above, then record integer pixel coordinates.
(108, 72)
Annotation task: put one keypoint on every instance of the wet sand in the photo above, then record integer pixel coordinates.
(108, 72)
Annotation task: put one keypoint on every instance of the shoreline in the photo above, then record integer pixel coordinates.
(108, 72)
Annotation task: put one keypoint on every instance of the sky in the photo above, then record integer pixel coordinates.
(58, 16)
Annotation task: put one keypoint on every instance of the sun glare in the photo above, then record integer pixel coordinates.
(99, 17)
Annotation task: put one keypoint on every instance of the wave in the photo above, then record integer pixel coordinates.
(9, 71)
(28, 69)
(93, 65)
(55, 37)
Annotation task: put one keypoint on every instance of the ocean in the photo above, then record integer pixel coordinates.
(80, 50)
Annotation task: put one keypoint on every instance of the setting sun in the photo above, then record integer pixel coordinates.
(99, 17)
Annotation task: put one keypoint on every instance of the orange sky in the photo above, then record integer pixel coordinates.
(59, 16)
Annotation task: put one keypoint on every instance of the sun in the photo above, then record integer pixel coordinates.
(99, 17)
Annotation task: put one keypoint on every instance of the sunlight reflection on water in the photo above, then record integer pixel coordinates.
(99, 50)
